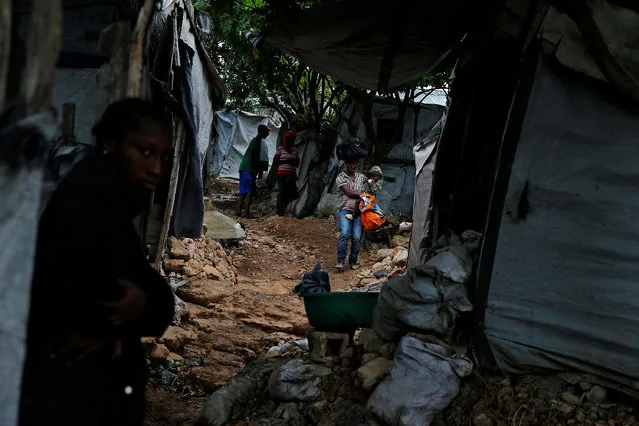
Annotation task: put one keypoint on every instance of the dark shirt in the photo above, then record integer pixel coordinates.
(86, 242)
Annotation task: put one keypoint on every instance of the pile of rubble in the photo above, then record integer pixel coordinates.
(202, 258)
(390, 263)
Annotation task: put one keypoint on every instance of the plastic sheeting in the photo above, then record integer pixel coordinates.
(396, 196)
(20, 194)
(235, 130)
(424, 153)
(563, 292)
(349, 40)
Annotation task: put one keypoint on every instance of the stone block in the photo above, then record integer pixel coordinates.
(324, 344)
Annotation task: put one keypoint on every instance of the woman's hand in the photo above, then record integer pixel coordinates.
(130, 307)
(72, 347)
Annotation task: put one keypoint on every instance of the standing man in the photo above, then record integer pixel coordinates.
(351, 183)
(251, 168)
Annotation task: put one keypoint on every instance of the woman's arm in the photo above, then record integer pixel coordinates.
(349, 192)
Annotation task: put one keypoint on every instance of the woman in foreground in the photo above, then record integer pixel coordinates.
(93, 294)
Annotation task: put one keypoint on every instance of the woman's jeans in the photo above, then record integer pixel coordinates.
(348, 229)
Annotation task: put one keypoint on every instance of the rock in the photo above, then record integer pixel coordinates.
(585, 386)
(208, 204)
(597, 394)
(373, 372)
(205, 292)
(290, 413)
(175, 357)
(211, 377)
(401, 258)
(176, 337)
(384, 253)
(323, 344)
(177, 249)
(370, 340)
(571, 398)
(400, 241)
(192, 268)
(212, 273)
(565, 409)
(366, 358)
(316, 411)
(482, 419)
(174, 265)
(159, 352)
(297, 380)
(273, 351)
(382, 273)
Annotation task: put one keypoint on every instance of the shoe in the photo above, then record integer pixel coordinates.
(354, 266)
(339, 267)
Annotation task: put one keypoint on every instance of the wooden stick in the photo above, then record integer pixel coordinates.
(175, 173)
(5, 46)
(136, 62)
(43, 47)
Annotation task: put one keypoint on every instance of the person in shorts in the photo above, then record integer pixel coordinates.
(252, 168)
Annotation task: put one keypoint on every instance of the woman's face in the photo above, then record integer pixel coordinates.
(143, 156)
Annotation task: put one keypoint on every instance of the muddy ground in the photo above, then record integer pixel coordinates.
(261, 312)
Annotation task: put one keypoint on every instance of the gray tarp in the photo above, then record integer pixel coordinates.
(396, 196)
(349, 40)
(424, 153)
(20, 192)
(236, 129)
(563, 292)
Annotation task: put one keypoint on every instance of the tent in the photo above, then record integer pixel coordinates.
(538, 154)
(235, 131)
(396, 197)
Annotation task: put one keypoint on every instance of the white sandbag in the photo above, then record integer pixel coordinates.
(423, 381)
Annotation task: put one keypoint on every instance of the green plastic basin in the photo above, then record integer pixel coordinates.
(341, 310)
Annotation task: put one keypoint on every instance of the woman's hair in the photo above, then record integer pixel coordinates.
(124, 116)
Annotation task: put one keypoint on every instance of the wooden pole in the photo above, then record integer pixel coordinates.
(136, 62)
(5, 46)
(168, 212)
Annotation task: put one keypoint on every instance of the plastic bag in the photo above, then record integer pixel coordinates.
(316, 281)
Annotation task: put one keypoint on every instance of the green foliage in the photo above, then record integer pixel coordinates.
(306, 98)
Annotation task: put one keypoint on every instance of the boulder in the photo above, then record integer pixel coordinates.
(211, 377)
(176, 337)
(177, 249)
(298, 380)
(159, 352)
(400, 241)
(212, 273)
(371, 342)
(597, 394)
(174, 265)
(373, 372)
(205, 292)
(193, 267)
(384, 253)
(401, 258)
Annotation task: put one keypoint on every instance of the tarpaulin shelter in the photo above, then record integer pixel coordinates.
(88, 52)
(235, 131)
(396, 196)
(545, 171)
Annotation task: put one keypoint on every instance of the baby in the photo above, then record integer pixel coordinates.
(375, 179)
(372, 186)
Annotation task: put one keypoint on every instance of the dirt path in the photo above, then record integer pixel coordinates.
(256, 313)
